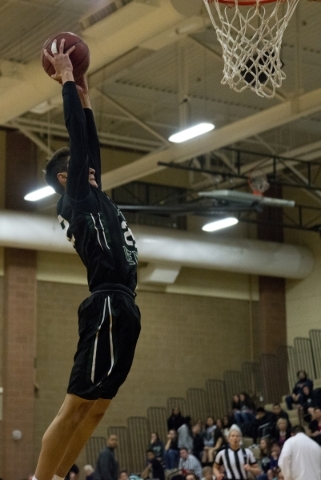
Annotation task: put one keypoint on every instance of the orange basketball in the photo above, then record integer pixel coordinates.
(80, 57)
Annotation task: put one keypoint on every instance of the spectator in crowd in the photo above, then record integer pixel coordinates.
(226, 426)
(171, 452)
(208, 439)
(189, 464)
(315, 426)
(282, 432)
(237, 461)
(157, 446)
(89, 472)
(246, 412)
(191, 476)
(154, 467)
(107, 466)
(207, 473)
(73, 473)
(262, 425)
(300, 458)
(198, 443)
(123, 475)
(279, 475)
(274, 460)
(185, 434)
(277, 413)
(219, 441)
(236, 403)
(175, 420)
(265, 459)
(306, 400)
(294, 398)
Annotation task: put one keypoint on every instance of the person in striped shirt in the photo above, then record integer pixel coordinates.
(237, 462)
(189, 464)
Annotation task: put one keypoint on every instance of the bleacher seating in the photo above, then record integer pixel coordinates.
(258, 379)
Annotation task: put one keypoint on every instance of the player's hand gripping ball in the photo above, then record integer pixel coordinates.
(79, 57)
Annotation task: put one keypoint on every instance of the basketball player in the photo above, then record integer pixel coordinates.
(109, 320)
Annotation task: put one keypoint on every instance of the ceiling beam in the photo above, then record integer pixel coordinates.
(306, 104)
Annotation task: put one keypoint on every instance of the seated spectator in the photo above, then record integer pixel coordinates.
(246, 412)
(123, 475)
(73, 473)
(198, 443)
(315, 426)
(189, 464)
(89, 472)
(294, 398)
(262, 425)
(282, 432)
(208, 439)
(175, 420)
(278, 475)
(306, 400)
(236, 403)
(191, 476)
(274, 461)
(185, 434)
(157, 446)
(265, 460)
(219, 442)
(171, 451)
(207, 473)
(226, 426)
(277, 413)
(154, 467)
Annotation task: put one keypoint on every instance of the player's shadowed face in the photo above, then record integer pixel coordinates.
(92, 179)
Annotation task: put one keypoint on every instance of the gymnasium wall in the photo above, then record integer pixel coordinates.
(1, 336)
(303, 298)
(185, 340)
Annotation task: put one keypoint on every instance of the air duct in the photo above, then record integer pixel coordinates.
(160, 246)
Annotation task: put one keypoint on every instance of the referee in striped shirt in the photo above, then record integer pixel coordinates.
(239, 463)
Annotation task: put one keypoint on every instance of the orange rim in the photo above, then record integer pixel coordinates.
(243, 2)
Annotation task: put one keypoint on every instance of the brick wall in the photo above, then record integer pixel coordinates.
(1, 337)
(185, 340)
(19, 322)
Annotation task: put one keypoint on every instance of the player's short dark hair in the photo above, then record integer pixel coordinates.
(297, 429)
(57, 164)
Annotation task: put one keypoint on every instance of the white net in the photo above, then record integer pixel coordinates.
(251, 39)
(258, 182)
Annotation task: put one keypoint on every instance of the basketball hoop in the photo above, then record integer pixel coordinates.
(258, 182)
(250, 33)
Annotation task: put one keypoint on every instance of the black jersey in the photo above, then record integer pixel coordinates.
(97, 228)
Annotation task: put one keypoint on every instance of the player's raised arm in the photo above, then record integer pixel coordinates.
(92, 136)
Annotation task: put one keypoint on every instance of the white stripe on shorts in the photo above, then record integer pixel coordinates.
(93, 366)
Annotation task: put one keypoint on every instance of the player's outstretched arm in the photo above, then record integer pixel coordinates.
(93, 140)
(82, 89)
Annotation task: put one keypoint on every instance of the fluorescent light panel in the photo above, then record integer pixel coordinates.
(191, 132)
(219, 224)
(39, 194)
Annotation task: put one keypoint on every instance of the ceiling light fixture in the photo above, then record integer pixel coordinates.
(191, 132)
(39, 194)
(219, 224)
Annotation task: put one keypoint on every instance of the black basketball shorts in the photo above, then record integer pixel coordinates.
(109, 327)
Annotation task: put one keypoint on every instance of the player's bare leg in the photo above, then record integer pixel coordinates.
(59, 434)
(82, 433)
